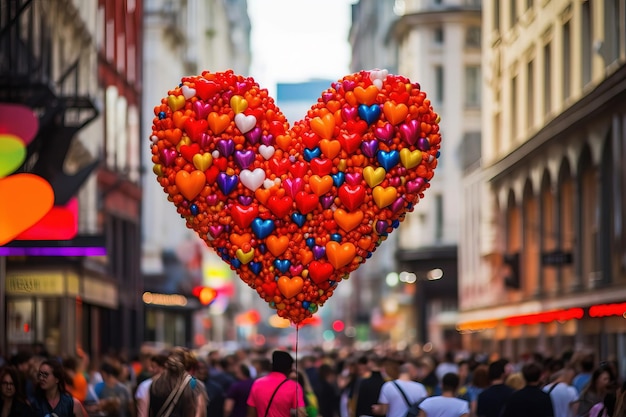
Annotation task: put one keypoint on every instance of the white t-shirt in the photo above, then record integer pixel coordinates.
(444, 407)
(389, 394)
(143, 393)
(562, 396)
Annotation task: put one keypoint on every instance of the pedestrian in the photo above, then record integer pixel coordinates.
(328, 397)
(51, 396)
(346, 381)
(397, 396)
(562, 393)
(13, 396)
(369, 386)
(478, 382)
(595, 390)
(142, 393)
(276, 395)
(237, 395)
(446, 404)
(530, 400)
(586, 365)
(114, 397)
(175, 391)
(310, 398)
(491, 401)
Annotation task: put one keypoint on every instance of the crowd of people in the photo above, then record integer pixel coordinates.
(282, 383)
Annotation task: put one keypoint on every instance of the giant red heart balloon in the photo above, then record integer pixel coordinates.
(294, 210)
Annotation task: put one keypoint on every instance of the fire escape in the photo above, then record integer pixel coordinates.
(26, 78)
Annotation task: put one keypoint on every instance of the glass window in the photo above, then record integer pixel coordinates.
(439, 83)
(472, 86)
(438, 35)
(473, 36)
(566, 60)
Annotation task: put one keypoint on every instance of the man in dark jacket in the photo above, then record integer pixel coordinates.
(491, 401)
(369, 387)
(530, 400)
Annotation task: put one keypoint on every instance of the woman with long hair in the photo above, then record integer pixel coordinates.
(13, 395)
(175, 392)
(51, 397)
(595, 391)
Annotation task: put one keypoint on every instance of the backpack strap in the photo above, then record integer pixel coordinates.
(267, 410)
(172, 399)
(553, 387)
(406, 399)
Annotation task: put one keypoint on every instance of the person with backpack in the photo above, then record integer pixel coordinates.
(400, 397)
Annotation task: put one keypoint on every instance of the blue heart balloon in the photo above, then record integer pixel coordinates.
(389, 159)
(369, 113)
(282, 265)
(298, 218)
(309, 154)
(338, 178)
(255, 267)
(262, 228)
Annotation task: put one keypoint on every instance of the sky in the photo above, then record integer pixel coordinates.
(299, 40)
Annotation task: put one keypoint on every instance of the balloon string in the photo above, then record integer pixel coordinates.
(297, 366)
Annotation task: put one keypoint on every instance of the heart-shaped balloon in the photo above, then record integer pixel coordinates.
(294, 210)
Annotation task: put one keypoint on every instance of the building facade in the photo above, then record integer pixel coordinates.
(554, 133)
(182, 38)
(439, 46)
(72, 277)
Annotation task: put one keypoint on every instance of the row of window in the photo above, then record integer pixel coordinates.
(472, 36)
(472, 82)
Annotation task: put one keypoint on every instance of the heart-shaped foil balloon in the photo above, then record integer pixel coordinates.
(294, 210)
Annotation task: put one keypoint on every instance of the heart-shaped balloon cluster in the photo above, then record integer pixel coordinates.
(294, 210)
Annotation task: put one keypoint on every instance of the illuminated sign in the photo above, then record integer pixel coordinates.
(606, 310)
(164, 299)
(545, 317)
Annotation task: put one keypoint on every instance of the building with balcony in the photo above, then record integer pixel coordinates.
(72, 279)
(554, 119)
(439, 47)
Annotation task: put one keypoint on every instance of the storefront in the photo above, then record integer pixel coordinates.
(56, 308)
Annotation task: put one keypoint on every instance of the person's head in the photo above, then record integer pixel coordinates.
(497, 370)
(532, 373)
(282, 362)
(450, 382)
(157, 362)
(51, 376)
(327, 373)
(242, 371)
(202, 370)
(515, 381)
(600, 380)
(480, 377)
(21, 361)
(12, 386)
(587, 363)
(109, 371)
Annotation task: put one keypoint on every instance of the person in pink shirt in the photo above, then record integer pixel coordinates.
(276, 395)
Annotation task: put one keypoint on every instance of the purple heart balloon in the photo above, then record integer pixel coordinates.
(267, 140)
(423, 144)
(244, 158)
(295, 270)
(397, 205)
(205, 140)
(381, 227)
(246, 200)
(319, 251)
(226, 147)
(326, 97)
(384, 133)
(348, 85)
(409, 131)
(227, 183)
(241, 86)
(254, 135)
(369, 148)
(327, 201)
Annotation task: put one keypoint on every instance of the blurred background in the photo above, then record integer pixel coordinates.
(518, 247)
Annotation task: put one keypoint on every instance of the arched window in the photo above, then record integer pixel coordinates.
(530, 248)
(548, 234)
(590, 229)
(566, 226)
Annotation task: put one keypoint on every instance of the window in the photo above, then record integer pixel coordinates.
(439, 83)
(438, 217)
(513, 108)
(438, 35)
(496, 15)
(586, 42)
(472, 86)
(566, 61)
(472, 37)
(530, 96)
(547, 78)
